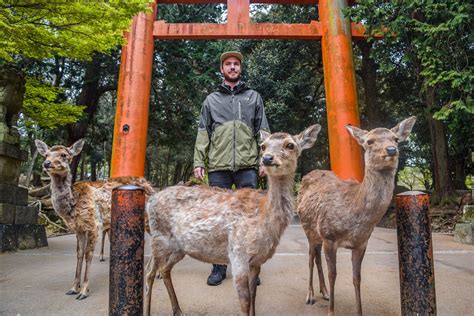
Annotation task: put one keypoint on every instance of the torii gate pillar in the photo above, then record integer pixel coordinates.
(133, 97)
(340, 89)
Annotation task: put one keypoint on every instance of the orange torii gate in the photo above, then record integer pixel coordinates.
(333, 29)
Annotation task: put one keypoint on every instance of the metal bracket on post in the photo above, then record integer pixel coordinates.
(415, 254)
(127, 251)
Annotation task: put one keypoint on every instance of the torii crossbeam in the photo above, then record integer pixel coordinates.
(333, 29)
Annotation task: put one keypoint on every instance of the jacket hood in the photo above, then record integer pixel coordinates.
(238, 88)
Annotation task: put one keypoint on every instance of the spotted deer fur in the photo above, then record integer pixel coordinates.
(336, 213)
(221, 226)
(84, 206)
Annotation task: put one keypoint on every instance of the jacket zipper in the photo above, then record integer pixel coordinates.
(240, 110)
(233, 144)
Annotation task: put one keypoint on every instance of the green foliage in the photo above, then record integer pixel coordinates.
(42, 107)
(436, 39)
(45, 28)
(289, 76)
(470, 182)
(415, 178)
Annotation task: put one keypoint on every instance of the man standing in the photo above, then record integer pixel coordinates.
(230, 122)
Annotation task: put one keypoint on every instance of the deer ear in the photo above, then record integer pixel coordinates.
(403, 129)
(357, 133)
(42, 147)
(307, 138)
(76, 148)
(264, 135)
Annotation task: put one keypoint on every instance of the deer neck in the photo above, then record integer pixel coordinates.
(280, 199)
(375, 192)
(61, 195)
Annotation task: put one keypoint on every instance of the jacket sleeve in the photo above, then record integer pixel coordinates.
(261, 122)
(201, 147)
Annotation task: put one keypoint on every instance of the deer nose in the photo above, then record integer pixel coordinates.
(267, 160)
(47, 164)
(391, 151)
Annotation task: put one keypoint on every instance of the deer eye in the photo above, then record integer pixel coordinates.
(263, 147)
(396, 139)
(290, 146)
(370, 142)
(63, 155)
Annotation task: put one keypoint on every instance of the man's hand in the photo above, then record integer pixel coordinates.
(261, 171)
(199, 173)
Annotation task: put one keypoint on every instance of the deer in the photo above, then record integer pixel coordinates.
(85, 207)
(343, 213)
(241, 228)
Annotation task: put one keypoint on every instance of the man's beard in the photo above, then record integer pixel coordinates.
(232, 79)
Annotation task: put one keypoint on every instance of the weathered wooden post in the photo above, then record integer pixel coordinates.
(415, 254)
(127, 251)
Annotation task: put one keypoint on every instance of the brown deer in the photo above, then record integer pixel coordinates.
(214, 225)
(84, 206)
(336, 213)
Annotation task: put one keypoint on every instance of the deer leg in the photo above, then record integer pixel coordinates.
(80, 256)
(151, 269)
(241, 282)
(322, 283)
(254, 272)
(104, 234)
(166, 275)
(241, 276)
(165, 261)
(89, 254)
(357, 257)
(310, 297)
(330, 249)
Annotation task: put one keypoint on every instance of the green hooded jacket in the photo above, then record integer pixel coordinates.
(229, 128)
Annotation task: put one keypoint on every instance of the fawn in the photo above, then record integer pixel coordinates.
(336, 213)
(85, 206)
(221, 226)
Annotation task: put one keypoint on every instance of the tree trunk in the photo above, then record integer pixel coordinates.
(88, 97)
(30, 168)
(368, 73)
(34, 155)
(187, 171)
(83, 169)
(177, 172)
(460, 171)
(93, 163)
(443, 184)
(166, 173)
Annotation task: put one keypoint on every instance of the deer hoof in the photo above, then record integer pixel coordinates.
(178, 313)
(81, 297)
(102, 260)
(325, 296)
(310, 301)
(71, 292)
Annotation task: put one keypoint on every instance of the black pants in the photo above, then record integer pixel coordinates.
(244, 178)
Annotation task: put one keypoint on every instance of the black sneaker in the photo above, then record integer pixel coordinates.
(217, 275)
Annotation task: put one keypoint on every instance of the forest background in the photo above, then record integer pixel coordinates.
(422, 66)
